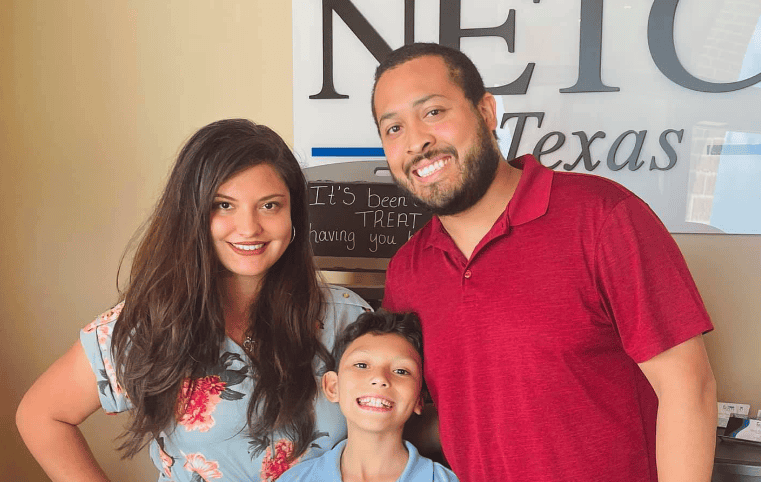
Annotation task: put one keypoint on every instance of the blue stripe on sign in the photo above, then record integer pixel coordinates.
(347, 152)
(740, 149)
(735, 150)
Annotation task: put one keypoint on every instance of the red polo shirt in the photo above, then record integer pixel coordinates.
(532, 345)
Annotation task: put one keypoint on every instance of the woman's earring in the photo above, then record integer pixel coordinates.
(293, 236)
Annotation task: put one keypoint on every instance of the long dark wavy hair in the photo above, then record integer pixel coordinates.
(173, 325)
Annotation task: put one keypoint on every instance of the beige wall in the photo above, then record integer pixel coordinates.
(727, 270)
(95, 101)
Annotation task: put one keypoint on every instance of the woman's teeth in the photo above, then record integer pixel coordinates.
(248, 247)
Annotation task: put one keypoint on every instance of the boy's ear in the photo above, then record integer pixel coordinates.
(419, 405)
(330, 386)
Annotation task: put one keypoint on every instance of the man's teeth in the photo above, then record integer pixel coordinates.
(374, 402)
(431, 168)
(248, 247)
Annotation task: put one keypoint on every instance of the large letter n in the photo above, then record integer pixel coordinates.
(358, 24)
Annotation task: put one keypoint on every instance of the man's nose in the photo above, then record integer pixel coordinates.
(419, 138)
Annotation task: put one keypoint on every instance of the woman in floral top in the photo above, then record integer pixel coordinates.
(221, 333)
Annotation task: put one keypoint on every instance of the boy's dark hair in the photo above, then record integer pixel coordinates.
(462, 71)
(381, 322)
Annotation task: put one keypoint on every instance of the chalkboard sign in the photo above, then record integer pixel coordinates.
(367, 220)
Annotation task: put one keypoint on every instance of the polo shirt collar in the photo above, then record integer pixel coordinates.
(529, 202)
(532, 196)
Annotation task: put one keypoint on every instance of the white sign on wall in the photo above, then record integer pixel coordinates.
(661, 96)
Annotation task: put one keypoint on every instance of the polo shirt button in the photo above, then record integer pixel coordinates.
(467, 274)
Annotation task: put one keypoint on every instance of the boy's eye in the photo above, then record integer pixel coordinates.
(360, 365)
(401, 371)
(433, 112)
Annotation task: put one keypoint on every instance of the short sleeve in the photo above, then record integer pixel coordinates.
(645, 283)
(96, 341)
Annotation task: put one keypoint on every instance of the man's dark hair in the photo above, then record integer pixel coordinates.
(381, 322)
(461, 69)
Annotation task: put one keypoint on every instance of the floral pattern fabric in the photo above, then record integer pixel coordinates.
(209, 441)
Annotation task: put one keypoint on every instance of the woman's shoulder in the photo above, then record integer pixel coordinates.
(339, 296)
(105, 318)
(343, 306)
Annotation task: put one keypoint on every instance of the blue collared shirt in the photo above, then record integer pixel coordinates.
(328, 467)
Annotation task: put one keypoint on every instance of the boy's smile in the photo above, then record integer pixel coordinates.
(379, 404)
(378, 383)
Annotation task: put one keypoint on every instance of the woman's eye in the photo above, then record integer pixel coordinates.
(433, 112)
(224, 205)
(270, 205)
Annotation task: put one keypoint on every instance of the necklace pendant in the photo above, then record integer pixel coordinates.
(248, 344)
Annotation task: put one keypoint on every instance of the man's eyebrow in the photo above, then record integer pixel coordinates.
(416, 103)
(385, 116)
(425, 99)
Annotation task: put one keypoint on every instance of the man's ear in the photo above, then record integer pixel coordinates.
(330, 386)
(487, 107)
(419, 405)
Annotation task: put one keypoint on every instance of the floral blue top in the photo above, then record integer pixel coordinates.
(209, 442)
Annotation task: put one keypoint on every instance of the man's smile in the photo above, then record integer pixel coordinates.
(428, 164)
(431, 168)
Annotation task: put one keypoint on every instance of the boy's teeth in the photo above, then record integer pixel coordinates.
(374, 402)
(248, 247)
(431, 168)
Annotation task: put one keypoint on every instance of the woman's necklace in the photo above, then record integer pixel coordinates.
(235, 327)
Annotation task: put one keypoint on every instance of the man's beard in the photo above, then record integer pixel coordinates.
(479, 166)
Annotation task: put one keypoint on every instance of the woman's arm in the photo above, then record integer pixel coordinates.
(48, 415)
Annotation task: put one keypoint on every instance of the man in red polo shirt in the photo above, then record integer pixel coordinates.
(562, 328)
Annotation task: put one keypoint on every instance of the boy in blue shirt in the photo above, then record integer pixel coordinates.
(377, 382)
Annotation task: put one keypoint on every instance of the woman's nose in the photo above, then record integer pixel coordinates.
(248, 223)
